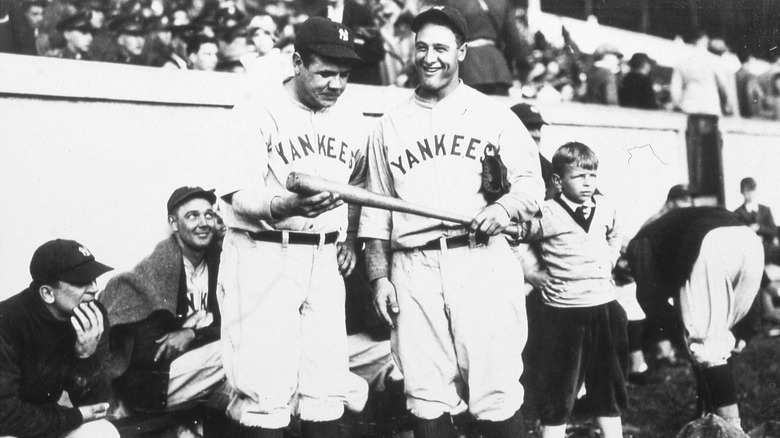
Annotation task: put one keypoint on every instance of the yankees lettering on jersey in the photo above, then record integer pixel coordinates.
(326, 146)
(438, 146)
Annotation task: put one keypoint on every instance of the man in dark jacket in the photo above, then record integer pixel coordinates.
(52, 340)
(636, 88)
(710, 265)
(165, 318)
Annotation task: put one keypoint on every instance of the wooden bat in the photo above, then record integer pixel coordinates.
(307, 185)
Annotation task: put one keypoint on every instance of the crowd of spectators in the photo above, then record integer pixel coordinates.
(505, 56)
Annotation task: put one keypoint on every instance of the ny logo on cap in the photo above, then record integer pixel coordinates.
(84, 251)
(438, 8)
(343, 34)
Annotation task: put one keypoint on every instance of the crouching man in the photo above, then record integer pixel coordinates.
(52, 339)
(164, 315)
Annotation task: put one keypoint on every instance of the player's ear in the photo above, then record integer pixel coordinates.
(172, 223)
(297, 63)
(462, 51)
(47, 293)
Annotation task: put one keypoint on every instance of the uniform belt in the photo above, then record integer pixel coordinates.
(479, 42)
(294, 238)
(456, 242)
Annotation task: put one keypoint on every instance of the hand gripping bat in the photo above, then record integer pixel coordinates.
(307, 185)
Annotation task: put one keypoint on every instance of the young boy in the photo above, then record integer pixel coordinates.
(757, 216)
(582, 339)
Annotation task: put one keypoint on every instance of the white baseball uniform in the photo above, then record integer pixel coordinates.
(283, 303)
(462, 311)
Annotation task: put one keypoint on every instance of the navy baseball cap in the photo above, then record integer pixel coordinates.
(186, 193)
(81, 21)
(528, 114)
(327, 38)
(65, 260)
(444, 15)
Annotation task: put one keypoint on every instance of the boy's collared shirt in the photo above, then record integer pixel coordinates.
(582, 256)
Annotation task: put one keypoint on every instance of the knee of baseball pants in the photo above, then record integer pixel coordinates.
(101, 428)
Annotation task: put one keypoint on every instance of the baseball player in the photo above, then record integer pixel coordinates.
(710, 264)
(449, 292)
(282, 295)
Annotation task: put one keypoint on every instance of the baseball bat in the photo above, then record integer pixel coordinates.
(306, 184)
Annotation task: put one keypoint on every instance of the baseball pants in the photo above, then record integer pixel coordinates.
(283, 330)
(723, 283)
(198, 375)
(462, 321)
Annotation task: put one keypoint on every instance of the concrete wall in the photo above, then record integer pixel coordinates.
(92, 151)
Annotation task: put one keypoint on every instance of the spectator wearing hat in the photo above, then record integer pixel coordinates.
(284, 328)
(757, 217)
(130, 39)
(602, 83)
(54, 339)
(636, 88)
(202, 53)
(493, 38)
(261, 37)
(77, 31)
(165, 318)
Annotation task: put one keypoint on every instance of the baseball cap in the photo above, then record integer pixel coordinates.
(186, 193)
(80, 21)
(327, 38)
(65, 260)
(528, 114)
(129, 25)
(679, 191)
(451, 17)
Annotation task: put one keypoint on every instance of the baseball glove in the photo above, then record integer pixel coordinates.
(494, 175)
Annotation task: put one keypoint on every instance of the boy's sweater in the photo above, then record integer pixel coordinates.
(582, 255)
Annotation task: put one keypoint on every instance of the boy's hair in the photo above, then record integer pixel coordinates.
(576, 154)
(747, 184)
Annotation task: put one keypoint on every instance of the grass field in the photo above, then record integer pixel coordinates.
(661, 410)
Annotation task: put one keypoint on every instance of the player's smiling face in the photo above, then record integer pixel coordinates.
(436, 56)
(320, 84)
(194, 223)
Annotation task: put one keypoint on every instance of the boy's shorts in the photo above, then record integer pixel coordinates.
(568, 347)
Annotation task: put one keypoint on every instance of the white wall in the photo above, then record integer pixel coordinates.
(92, 151)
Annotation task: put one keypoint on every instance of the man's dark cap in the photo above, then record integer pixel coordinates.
(680, 191)
(327, 38)
(65, 260)
(81, 21)
(639, 59)
(528, 114)
(182, 194)
(129, 25)
(446, 15)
